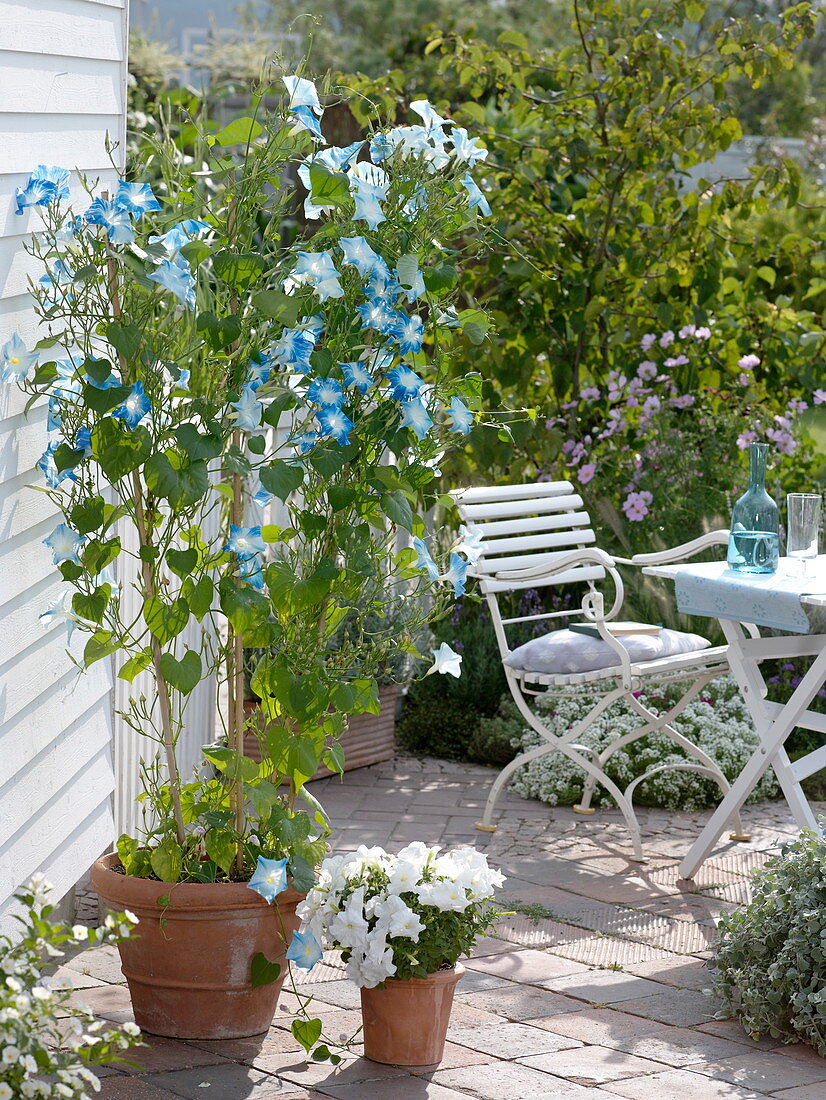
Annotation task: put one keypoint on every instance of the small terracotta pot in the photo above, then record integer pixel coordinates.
(405, 1023)
(188, 965)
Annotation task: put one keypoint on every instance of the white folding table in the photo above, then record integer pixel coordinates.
(795, 608)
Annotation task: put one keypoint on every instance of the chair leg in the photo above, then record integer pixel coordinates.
(486, 824)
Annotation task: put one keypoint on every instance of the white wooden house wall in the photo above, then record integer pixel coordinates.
(62, 90)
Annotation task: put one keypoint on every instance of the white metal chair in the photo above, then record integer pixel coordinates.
(540, 536)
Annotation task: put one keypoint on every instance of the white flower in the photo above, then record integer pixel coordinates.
(11, 1054)
(80, 932)
(469, 544)
(447, 896)
(417, 853)
(131, 1029)
(446, 660)
(405, 876)
(5, 1092)
(349, 928)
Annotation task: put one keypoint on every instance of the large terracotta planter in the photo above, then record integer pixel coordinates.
(188, 965)
(368, 739)
(405, 1023)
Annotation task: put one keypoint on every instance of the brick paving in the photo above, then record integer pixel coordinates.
(597, 992)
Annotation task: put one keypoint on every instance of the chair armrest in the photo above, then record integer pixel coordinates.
(586, 556)
(685, 550)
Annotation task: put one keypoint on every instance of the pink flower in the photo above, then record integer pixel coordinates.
(651, 405)
(745, 438)
(647, 369)
(585, 473)
(702, 333)
(590, 393)
(748, 362)
(635, 507)
(819, 397)
(797, 406)
(677, 361)
(687, 330)
(784, 442)
(683, 402)
(666, 339)
(743, 379)
(648, 341)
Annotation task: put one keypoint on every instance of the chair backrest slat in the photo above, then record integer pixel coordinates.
(550, 539)
(533, 524)
(485, 493)
(570, 576)
(511, 508)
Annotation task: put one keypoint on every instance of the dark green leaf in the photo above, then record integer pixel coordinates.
(220, 847)
(238, 269)
(118, 449)
(263, 971)
(165, 620)
(167, 860)
(88, 515)
(198, 595)
(219, 332)
(91, 606)
(306, 1032)
(281, 307)
(281, 478)
(329, 188)
(184, 675)
(103, 401)
(182, 562)
(396, 507)
(241, 131)
(65, 458)
(125, 339)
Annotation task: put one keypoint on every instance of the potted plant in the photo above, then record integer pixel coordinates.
(49, 1043)
(179, 329)
(402, 922)
(368, 738)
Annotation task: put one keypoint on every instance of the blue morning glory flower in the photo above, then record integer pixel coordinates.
(356, 374)
(382, 284)
(312, 327)
(51, 173)
(269, 878)
(251, 571)
(428, 114)
(423, 559)
(35, 193)
(306, 120)
(245, 542)
(64, 544)
(460, 416)
(409, 332)
(405, 384)
(179, 381)
(378, 315)
(336, 159)
(334, 423)
(59, 610)
(293, 349)
(466, 148)
(326, 391)
(304, 950)
(54, 420)
(456, 574)
(302, 93)
(318, 270)
(15, 360)
(83, 442)
(57, 276)
(176, 276)
(475, 197)
(134, 408)
(261, 497)
(380, 148)
(416, 417)
(258, 371)
(359, 253)
(136, 198)
(306, 442)
(379, 359)
(248, 410)
(115, 220)
(179, 235)
(48, 467)
(367, 202)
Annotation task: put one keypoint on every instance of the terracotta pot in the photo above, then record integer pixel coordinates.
(368, 739)
(405, 1023)
(188, 965)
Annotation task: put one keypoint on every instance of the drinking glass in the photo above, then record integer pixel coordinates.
(803, 528)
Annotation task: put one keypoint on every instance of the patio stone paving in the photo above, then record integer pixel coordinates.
(596, 991)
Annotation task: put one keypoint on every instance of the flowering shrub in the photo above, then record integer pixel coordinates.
(180, 335)
(718, 722)
(34, 1043)
(646, 443)
(401, 916)
(770, 964)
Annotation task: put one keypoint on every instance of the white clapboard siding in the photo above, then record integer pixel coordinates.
(62, 97)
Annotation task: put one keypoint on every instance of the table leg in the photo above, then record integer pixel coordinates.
(772, 733)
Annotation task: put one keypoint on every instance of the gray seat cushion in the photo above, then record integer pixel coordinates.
(562, 652)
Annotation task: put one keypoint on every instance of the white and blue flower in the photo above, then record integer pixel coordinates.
(456, 574)
(248, 410)
(409, 331)
(258, 371)
(136, 198)
(176, 277)
(359, 253)
(269, 878)
(46, 184)
(114, 219)
(424, 561)
(304, 950)
(251, 570)
(15, 360)
(460, 416)
(326, 391)
(181, 234)
(466, 149)
(58, 277)
(48, 467)
(134, 408)
(475, 197)
(293, 349)
(60, 611)
(317, 270)
(377, 314)
(245, 542)
(446, 661)
(416, 417)
(333, 422)
(404, 383)
(356, 374)
(64, 544)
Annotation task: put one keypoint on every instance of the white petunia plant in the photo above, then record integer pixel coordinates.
(401, 916)
(47, 1043)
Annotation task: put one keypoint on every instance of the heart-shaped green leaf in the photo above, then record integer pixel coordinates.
(263, 971)
(182, 562)
(184, 674)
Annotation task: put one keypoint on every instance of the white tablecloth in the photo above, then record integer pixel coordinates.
(766, 599)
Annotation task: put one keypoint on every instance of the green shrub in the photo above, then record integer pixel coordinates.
(717, 722)
(771, 959)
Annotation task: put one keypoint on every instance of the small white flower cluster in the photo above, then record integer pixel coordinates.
(385, 911)
(717, 722)
(40, 1057)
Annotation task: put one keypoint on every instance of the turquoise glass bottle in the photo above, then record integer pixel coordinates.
(754, 541)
